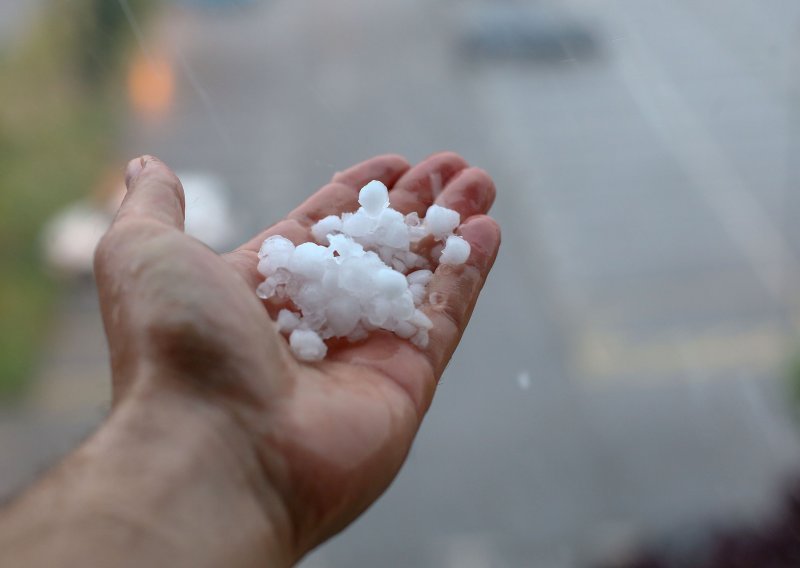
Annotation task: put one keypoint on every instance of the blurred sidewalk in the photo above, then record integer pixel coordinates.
(69, 393)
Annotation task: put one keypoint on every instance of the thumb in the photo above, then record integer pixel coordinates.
(154, 194)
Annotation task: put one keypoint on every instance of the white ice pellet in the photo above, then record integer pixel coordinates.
(389, 217)
(359, 224)
(311, 295)
(275, 253)
(420, 277)
(405, 329)
(345, 246)
(374, 198)
(288, 320)
(307, 345)
(362, 276)
(413, 260)
(417, 293)
(379, 311)
(403, 307)
(329, 225)
(395, 235)
(399, 265)
(275, 244)
(412, 219)
(440, 221)
(420, 339)
(420, 320)
(456, 251)
(266, 289)
(343, 314)
(359, 333)
(308, 260)
(389, 282)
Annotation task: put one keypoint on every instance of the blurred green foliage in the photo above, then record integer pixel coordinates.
(793, 383)
(59, 86)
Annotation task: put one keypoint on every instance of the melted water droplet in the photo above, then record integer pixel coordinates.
(436, 299)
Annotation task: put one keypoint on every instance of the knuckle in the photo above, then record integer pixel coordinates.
(449, 156)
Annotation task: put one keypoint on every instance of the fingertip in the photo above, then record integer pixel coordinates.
(470, 192)
(482, 179)
(390, 161)
(447, 156)
(133, 169)
(395, 166)
(484, 236)
(481, 227)
(397, 160)
(149, 165)
(154, 191)
(150, 169)
(423, 183)
(386, 168)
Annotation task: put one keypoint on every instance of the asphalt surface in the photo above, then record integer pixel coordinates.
(621, 379)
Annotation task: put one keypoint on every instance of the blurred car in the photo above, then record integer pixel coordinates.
(217, 4)
(70, 237)
(515, 31)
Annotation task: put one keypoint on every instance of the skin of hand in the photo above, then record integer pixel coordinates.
(284, 454)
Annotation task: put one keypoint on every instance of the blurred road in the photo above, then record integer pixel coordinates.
(646, 282)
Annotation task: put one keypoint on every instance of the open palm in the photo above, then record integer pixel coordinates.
(330, 436)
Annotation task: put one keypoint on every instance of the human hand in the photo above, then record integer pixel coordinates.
(184, 324)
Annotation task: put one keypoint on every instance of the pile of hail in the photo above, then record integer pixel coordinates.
(361, 275)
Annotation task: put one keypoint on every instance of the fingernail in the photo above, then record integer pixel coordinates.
(134, 168)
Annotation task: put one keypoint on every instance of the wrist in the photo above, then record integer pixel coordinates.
(198, 471)
(173, 476)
